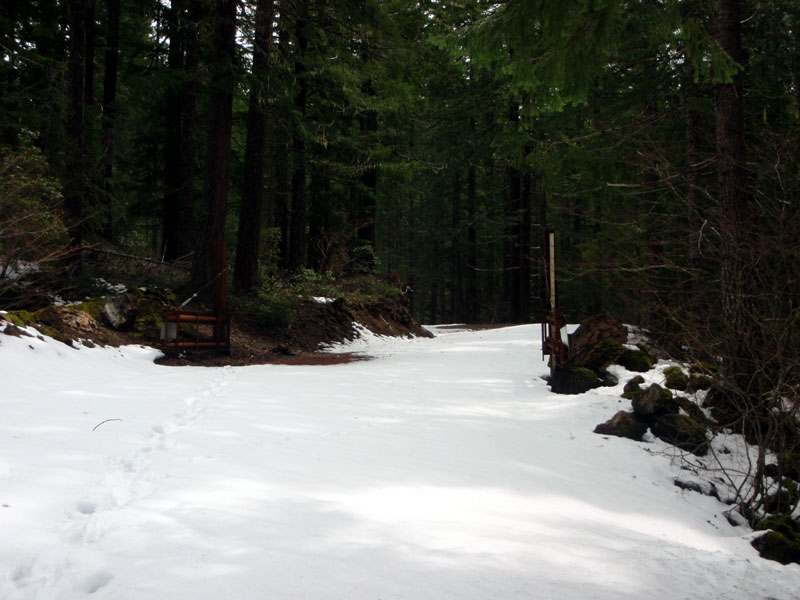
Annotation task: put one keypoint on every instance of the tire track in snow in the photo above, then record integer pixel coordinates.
(94, 516)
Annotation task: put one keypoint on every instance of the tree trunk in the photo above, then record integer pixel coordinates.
(472, 249)
(369, 178)
(219, 145)
(245, 275)
(691, 99)
(172, 142)
(185, 230)
(512, 263)
(299, 213)
(734, 200)
(110, 110)
(525, 249)
(457, 288)
(75, 184)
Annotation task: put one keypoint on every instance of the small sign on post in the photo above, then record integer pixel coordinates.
(553, 321)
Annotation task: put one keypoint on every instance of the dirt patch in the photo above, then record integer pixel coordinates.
(313, 324)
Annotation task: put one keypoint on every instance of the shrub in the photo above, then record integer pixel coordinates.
(32, 231)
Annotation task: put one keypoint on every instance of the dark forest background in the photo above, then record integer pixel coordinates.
(432, 141)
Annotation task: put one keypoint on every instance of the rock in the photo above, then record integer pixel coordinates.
(590, 333)
(13, 330)
(655, 400)
(120, 311)
(635, 360)
(699, 382)
(789, 464)
(623, 424)
(681, 431)
(602, 355)
(782, 501)
(676, 379)
(691, 409)
(706, 488)
(782, 540)
(574, 380)
(609, 380)
(632, 388)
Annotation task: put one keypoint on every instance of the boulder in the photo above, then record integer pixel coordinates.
(590, 333)
(782, 540)
(699, 382)
(676, 379)
(681, 431)
(635, 360)
(602, 355)
(623, 424)
(632, 388)
(121, 311)
(655, 400)
(574, 380)
(609, 380)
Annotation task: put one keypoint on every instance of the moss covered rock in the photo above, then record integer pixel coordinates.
(676, 379)
(635, 360)
(603, 354)
(93, 307)
(782, 542)
(574, 380)
(655, 400)
(691, 409)
(633, 387)
(683, 432)
(20, 318)
(623, 424)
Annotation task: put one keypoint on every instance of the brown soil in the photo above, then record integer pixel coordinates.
(313, 324)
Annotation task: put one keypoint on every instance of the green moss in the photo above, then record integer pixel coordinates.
(575, 380)
(635, 360)
(13, 319)
(676, 379)
(694, 411)
(699, 382)
(603, 354)
(92, 307)
(782, 543)
(703, 368)
(20, 318)
(646, 351)
(683, 432)
(148, 324)
(54, 333)
(632, 388)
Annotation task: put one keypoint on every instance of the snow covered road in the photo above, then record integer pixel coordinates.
(442, 469)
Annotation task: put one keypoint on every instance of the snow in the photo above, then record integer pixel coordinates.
(443, 468)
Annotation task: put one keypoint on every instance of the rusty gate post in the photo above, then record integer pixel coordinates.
(553, 321)
(222, 325)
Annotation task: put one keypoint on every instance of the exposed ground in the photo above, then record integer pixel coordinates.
(312, 325)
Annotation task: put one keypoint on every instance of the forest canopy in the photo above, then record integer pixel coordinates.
(435, 141)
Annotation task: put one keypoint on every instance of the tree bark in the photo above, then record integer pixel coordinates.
(75, 184)
(525, 224)
(734, 195)
(299, 214)
(219, 145)
(245, 274)
(172, 141)
(110, 110)
(471, 304)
